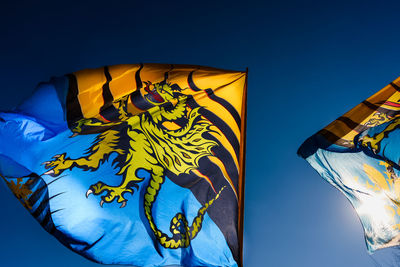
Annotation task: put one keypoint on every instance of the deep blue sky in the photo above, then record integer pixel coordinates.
(309, 62)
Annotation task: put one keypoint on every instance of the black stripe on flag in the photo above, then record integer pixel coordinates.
(108, 111)
(74, 111)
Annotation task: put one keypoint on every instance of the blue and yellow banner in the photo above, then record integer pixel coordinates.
(134, 164)
(358, 154)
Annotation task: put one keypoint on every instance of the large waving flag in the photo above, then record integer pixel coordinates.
(134, 164)
(359, 154)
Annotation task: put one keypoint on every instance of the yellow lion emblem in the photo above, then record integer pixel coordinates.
(374, 142)
(146, 141)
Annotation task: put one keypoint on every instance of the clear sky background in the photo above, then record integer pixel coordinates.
(309, 62)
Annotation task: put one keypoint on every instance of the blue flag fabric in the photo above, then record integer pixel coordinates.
(127, 165)
(359, 154)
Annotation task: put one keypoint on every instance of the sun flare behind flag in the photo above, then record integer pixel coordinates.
(359, 154)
